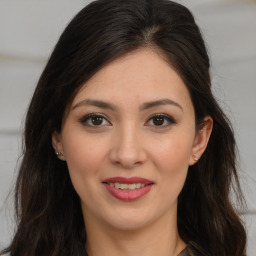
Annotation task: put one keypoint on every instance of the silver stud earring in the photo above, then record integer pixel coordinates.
(195, 158)
(58, 154)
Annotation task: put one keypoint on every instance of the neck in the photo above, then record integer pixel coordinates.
(159, 238)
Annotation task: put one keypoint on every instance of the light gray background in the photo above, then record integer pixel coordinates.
(28, 31)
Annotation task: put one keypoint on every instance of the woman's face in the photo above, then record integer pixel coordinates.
(132, 123)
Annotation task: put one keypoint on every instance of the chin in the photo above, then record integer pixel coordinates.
(130, 220)
(126, 224)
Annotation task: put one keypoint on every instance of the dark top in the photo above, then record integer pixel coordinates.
(193, 249)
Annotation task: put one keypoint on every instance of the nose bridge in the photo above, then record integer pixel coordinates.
(127, 149)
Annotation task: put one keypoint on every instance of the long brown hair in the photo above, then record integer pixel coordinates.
(49, 217)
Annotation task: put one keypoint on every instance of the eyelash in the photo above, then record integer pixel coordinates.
(84, 119)
(169, 119)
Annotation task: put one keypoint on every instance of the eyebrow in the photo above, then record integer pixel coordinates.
(144, 106)
(96, 103)
(160, 102)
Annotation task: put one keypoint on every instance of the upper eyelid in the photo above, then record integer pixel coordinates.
(168, 117)
(162, 115)
(95, 114)
(159, 114)
(103, 115)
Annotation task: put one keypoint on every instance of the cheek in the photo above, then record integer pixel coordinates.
(84, 157)
(171, 159)
(84, 163)
(83, 153)
(173, 151)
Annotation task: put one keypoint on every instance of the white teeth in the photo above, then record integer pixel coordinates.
(132, 186)
(123, 186)
(137, 185)
(127, 186)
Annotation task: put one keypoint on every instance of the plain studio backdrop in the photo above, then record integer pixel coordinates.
(29, 30)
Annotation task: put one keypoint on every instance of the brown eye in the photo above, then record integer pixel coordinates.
(161, 121)
(94, 120)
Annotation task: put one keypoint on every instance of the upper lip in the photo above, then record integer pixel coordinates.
(130, 180)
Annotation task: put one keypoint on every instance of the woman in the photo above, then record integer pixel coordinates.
(126, 150)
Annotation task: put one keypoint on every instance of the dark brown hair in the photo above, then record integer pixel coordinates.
(49, 217)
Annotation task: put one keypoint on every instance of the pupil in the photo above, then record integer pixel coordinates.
(158, 120)
(97, 120)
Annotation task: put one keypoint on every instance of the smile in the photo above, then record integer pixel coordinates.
(127, 186)
(128, 189)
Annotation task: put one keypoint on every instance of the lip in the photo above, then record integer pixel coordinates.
(130, 180)
(128, 195)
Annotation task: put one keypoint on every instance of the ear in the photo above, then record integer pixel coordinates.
(201, 140)
(57, 145)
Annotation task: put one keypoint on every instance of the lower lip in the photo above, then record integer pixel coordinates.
(128, 195)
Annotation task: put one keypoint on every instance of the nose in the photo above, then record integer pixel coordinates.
(127, 149)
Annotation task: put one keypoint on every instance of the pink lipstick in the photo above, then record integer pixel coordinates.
(128, 189)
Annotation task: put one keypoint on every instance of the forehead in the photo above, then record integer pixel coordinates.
(139, 76)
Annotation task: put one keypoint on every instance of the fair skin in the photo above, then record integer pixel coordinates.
(129, 140)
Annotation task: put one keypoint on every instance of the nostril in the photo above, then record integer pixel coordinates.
(126, 156)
